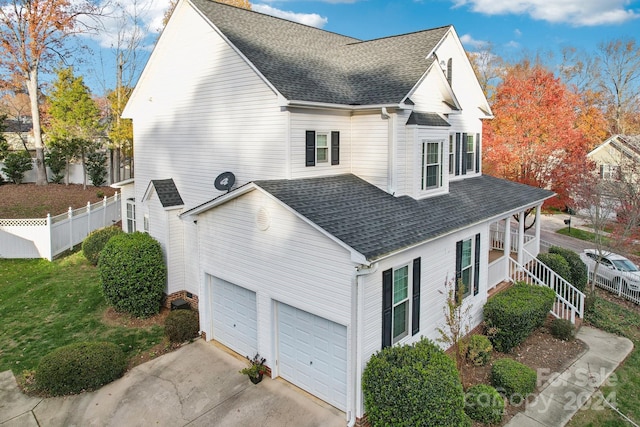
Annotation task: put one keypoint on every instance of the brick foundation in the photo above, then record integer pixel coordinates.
(192, 300)
(362, 422)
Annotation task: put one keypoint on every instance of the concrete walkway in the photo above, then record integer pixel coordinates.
(197, 385)
(563, 394)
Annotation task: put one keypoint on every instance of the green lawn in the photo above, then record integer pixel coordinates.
(581, 234)
(45, 305)
(614, 318)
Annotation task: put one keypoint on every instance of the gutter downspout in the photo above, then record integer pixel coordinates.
(356, 346)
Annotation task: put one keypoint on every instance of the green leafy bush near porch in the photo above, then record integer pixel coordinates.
(578, 269)
(558, 264)
(181, 325)
(95, 241)
(512, 315)
(413, 385)
(80, 367)
(513, 379)
(133, 273)
(563, 329)
(479, 350)
(484, 404)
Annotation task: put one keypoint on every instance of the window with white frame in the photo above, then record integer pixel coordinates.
(470, 152)
(452, 155)
(322, 147)
(146, 222)
(609, 172)
(131, 216)
(466, 268)
(400, 310)
(431, 165)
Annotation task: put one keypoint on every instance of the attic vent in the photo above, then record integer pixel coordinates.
(263, 219)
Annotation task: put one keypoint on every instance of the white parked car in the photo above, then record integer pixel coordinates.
(614, 270)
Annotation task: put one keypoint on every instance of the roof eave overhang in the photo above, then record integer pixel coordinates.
(124, 183)
(346, 107)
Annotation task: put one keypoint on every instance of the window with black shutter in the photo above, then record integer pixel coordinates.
(400, 302)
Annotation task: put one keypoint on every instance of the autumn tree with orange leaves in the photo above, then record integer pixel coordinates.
(539, 134)
(33, 35)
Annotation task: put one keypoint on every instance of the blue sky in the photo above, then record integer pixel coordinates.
(510, 26)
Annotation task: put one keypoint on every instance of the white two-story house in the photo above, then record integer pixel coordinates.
(357, 188)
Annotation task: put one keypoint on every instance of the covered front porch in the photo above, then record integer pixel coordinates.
(509, 241)
(512, 257)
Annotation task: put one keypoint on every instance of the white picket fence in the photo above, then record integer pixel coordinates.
(51, 236)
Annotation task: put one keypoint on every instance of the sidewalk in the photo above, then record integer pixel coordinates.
(563, 394)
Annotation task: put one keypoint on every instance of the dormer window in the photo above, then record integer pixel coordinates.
(431, 165)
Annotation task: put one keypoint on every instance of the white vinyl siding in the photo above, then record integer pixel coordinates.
(322, 123)
(370, 148)
(290, 261)
(204, 114)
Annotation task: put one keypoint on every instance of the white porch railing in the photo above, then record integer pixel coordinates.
(51, 236)
(569, 300)
(497, 240)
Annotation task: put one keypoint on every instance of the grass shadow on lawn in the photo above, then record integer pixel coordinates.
(46, 305)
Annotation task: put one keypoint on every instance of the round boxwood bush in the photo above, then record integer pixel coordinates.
(181, 325)
(80, 367)
(94, 242)
(578, 269)
(479, 350)
(563, 329)
(513, 379)
(413, 385)
(133, 273)
(483, 403)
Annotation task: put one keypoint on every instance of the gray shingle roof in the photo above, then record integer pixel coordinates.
(308, 64)
(167, 192)
(375, 223)
(427, 119)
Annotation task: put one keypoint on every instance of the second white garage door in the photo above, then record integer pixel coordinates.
(234, 317)
(313, 354)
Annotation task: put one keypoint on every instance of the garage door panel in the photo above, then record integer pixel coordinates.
(312, 354)
(234, 317)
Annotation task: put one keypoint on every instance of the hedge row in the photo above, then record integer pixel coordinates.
(514, 314)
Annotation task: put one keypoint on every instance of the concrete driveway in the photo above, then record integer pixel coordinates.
(197, 385)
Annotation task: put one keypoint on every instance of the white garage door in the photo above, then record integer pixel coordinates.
(313, 354)
(234, 317)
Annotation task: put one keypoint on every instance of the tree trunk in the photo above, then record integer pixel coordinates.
(32, 88)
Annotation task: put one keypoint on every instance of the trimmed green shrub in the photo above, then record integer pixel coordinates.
(484, 404)
(514, 314)
(578, 269)
(479, 350)
(57, 163)
(133, 273)
(16, 164)
(563, 329)
(94, 242)
(181, 325)
(558, 264)
(513, 379)
(96, 167)
(413, 385)
(80, 367)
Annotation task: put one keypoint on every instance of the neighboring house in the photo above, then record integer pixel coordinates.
(359, 191)
(619, 155)
(18, 132)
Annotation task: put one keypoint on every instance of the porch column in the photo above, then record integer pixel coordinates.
(538, 209)
(507, 244)
(520, 237)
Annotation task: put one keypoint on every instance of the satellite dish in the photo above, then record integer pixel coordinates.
(225, 181)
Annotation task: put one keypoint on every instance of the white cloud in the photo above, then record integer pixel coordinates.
(517, 32)
(142, 18)
(513, 44)
(575, 12)
(469, 41)
(311, 19)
